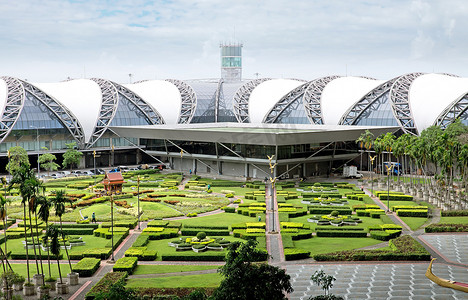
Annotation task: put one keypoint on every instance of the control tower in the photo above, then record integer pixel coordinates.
(231, 62)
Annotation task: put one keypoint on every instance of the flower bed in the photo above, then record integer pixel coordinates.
(446, 228)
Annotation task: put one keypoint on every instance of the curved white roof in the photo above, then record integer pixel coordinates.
(430, 94)
(341, 94)
(3, 95)
(162, 95)
(266, 94)
(82, 96)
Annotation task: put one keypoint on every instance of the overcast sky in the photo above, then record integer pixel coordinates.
(50, 40)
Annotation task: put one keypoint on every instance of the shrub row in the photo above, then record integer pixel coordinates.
(325, 210)
(322, 195)
(199, 257)
(395, 197)
(408, 207)
(209, 232)
(385, 235)
(229, 209)
(129, 224)
(337, 233)
(295, 253)
(141, 241)
(412, 213)
(205, 227)
(142, 253)
(454, 213)
(78, 231)
(86, 267)
(332, 228)
(125, 264)
(442, 227)
(78, 226)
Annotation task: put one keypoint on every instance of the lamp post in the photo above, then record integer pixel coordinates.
(138, 200)
(372, 173)
(94, 160)
(112, 225)
(389, 169)
(37, 143)
(272, 190)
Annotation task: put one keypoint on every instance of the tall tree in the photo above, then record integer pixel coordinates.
(44, 213)
(52, 234)
(17, 157)
(245, 280)
(59, 200)
(47, 161)
(3, 214)
(23, 177)
(72, 156)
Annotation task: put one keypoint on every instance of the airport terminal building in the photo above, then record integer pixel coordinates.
(226, 125)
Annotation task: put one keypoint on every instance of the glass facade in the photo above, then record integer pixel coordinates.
(294, 114)
(206, 102)
(128, 114)
(231, 62)
(231, 50)
(378, 114)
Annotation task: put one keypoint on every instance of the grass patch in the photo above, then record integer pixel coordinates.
(414, 223)
(161, 269)
(188, 281)
(319, 245)
(21, 269)
(454, 220)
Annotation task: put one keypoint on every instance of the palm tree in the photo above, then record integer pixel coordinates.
(52, 234)
(44, 213)
(23, 177)
(58, 202)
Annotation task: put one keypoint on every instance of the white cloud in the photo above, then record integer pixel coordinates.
(50, 40)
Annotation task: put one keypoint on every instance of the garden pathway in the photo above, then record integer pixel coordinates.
(274, 242)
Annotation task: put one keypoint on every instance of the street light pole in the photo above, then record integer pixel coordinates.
(138, 200)
(37, 144)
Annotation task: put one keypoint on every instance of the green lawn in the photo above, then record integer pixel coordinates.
(160, 269)
(21, 269)
(188, 281)
(454, 220)
(318, 245)
(223, 219)
(238, 191)
(413, 222)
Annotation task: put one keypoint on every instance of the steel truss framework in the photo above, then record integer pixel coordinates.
(110, 100)
(150, 113)
(285, 103)
(456, 110)
(188, 101)
(217, 99)
(312, 98)
(369, 101)
(241, 99)
(399, 98)
(13, 105)
(65, 116)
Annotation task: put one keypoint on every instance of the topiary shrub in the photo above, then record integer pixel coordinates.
(334, 213)
(201, 235)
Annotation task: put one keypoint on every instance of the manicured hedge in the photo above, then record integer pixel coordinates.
(141, 241)
(106, 283)
(412, 213)
(101, 253)
(142, 253)
(22, 255)
(87, 266)
(166, 234)
(328, 228)
(128, 224)
(454, 213)
(125, 264)
(336, 233)
(325, 210)
(78, 226)
(229, 209)
(409, 207)
(207, 227)
(295, 253)
(78, 231)
(385, 235)
(395, 197)
(443, 227)
(209, 232)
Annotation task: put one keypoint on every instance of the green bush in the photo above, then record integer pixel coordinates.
(454, 213)
(206, 227)
(336, 233)
(87, 266)
(325, 210)
(214, 256)
(125, 264)
(329, 228)
(129, 224)
(395, 197)
(78, 231)
(201, 235)
(141, 241)
(295, 253)
(412, 213)
(142, 253)
(229, 209)
(213, 232)
(101, 253)
(442, 227)
(158, 223)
